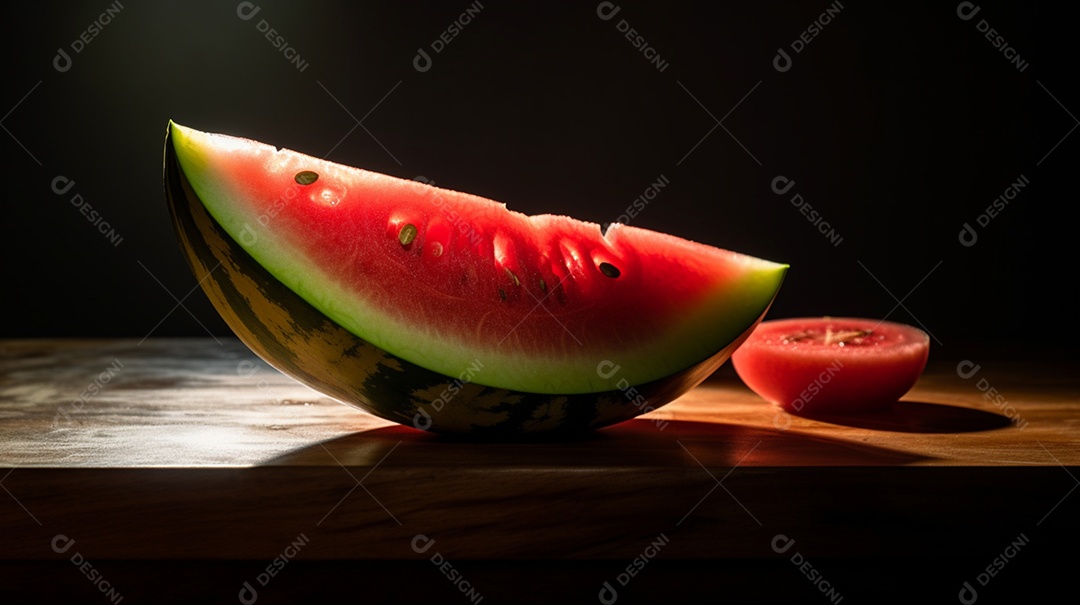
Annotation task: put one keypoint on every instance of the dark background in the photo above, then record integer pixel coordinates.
(898, 123)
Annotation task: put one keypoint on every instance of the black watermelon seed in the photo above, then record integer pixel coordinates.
(609, 270)
(407, 234)
(513, 277)
(306, 177)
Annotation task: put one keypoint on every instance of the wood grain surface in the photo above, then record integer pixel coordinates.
(195, 449)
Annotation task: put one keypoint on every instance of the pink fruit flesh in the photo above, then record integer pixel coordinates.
(832, 364)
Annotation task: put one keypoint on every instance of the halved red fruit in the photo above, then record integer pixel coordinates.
(832, 364)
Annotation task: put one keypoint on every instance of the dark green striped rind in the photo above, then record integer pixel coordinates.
(294, 337)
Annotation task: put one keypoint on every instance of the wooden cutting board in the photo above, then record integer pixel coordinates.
(195, 449)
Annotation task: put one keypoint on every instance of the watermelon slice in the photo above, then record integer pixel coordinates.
(456, 289)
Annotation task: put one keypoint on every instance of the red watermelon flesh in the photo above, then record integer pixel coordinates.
(452, 281)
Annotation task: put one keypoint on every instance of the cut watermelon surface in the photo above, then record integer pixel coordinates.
(457, 283)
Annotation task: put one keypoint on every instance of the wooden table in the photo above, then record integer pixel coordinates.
(193, 454)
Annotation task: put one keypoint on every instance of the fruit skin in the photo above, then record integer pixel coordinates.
(808, 377)
(301, 342)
